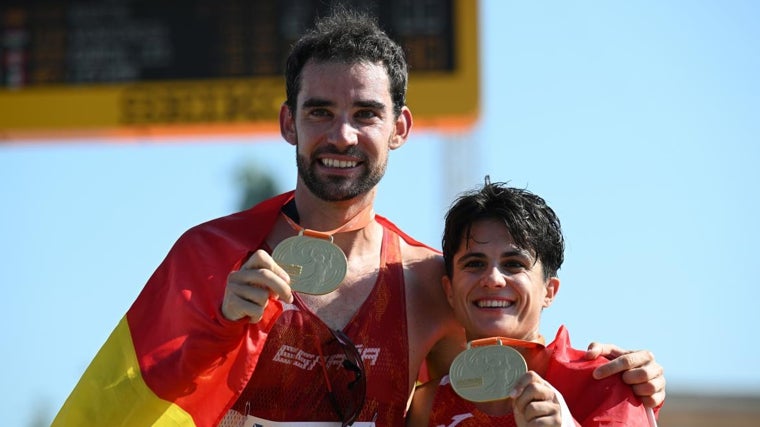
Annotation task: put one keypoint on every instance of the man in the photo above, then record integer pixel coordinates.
(217, 335)
(502, 248)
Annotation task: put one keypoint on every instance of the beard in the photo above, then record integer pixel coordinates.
(339, 188)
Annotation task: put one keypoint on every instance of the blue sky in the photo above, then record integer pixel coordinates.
(637, 121)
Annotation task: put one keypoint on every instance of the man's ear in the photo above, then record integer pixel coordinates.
(288, 125)
(446, 285)
(552, 287)
(403, 126)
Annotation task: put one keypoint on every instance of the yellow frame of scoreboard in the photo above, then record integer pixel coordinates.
(447, 101)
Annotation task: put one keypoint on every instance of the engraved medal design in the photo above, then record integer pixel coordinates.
(315, 266)
(487, 373)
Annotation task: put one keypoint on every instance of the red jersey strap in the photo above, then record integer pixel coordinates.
(408, 239)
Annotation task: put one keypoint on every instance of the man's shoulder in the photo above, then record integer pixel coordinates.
(246, 228)
(222, 226)
(406, 238)
(425, 263)
(220, 238)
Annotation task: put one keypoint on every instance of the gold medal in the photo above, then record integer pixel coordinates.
(316, 266)
(486, 373)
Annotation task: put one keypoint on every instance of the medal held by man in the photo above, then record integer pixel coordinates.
(314, 263)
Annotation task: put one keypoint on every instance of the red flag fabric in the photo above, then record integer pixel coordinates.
(174, 360)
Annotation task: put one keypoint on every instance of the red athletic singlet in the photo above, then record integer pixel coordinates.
(288, 383)
(592, 402)
(450, 410)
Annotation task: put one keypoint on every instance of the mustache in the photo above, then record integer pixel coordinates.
(352, 151)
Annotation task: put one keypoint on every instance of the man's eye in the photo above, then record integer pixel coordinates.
(365, 114)
(319, 112)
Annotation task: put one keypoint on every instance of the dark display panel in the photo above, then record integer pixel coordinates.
(93, 42)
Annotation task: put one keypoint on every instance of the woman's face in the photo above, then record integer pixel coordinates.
(497, 288)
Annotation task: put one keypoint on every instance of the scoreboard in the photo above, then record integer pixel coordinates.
(140, 67)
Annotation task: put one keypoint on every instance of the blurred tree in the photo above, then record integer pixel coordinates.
(41, 416)
(257, 185)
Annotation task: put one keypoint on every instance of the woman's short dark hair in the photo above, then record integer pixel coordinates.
(532, 224)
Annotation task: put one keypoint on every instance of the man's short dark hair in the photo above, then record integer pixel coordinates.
(351, 37)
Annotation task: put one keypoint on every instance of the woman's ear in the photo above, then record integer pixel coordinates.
(446, 285)
(552, 287)
(288, 125)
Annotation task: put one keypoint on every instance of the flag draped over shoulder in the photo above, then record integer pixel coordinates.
(173, 359)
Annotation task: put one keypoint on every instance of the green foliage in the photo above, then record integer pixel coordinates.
(257, 185)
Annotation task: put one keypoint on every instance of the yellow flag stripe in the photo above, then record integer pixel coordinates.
(112, 392)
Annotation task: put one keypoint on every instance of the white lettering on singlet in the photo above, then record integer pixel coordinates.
(567, 417)
(457, 419)
(290, 355)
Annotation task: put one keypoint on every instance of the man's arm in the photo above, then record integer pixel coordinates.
(443, 353)
(645, 376)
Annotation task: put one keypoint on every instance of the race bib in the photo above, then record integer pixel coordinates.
(252, 421)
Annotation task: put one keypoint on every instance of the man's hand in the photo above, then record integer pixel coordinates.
(249, 289)
(640, 371)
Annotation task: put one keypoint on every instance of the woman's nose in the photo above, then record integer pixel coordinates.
(494, 278)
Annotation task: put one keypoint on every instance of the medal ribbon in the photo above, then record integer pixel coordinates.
(512, 342)
(357, 222)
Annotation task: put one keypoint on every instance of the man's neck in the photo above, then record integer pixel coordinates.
(320, 215)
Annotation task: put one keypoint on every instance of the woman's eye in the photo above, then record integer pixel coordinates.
(513, 265)
(469, 265)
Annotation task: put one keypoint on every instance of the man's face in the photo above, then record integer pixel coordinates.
(497, 288)
(344, 128)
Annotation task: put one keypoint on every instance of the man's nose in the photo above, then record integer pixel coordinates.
(343, 133)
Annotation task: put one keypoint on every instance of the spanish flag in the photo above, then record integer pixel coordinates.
(173, 359)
